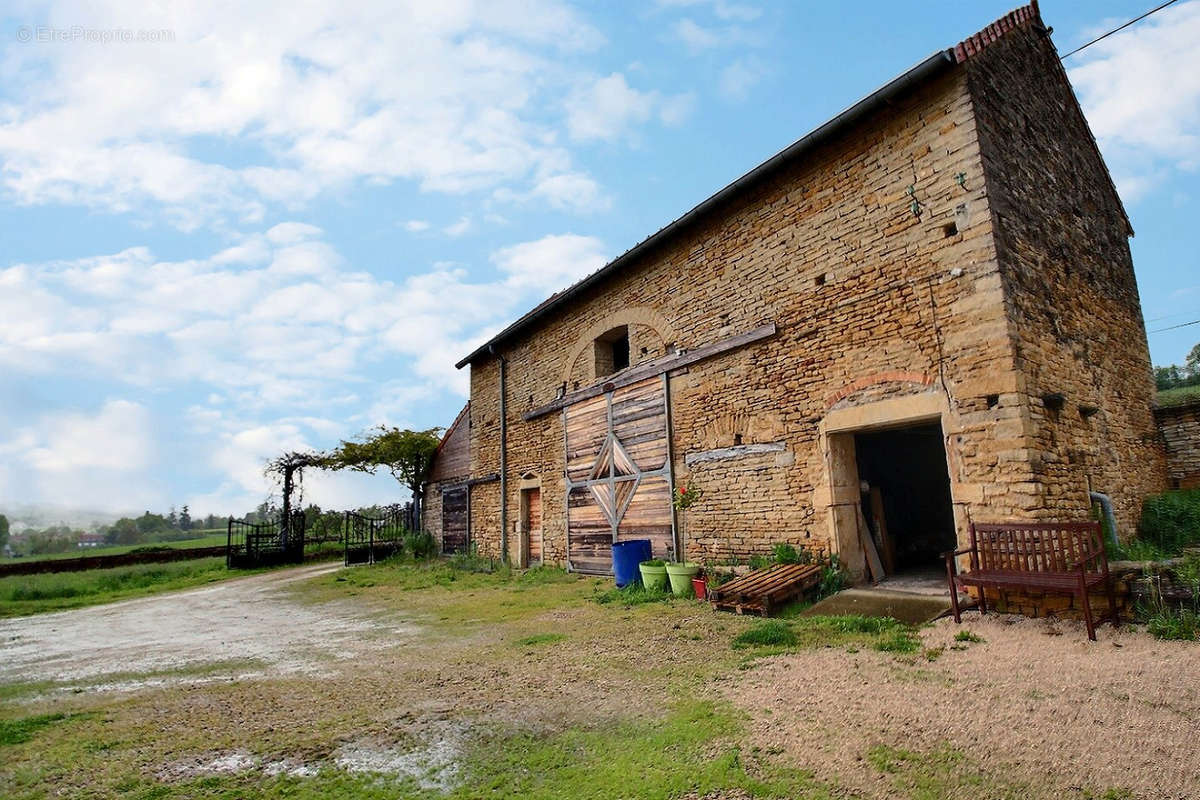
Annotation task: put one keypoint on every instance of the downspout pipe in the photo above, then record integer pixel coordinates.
(1106, 507)
(503, 455)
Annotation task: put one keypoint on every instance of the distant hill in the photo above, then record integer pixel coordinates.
(38, 515)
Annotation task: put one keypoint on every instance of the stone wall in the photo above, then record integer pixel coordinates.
(865, 294)
(1075, 316)
(884, 315)
(1180, 429)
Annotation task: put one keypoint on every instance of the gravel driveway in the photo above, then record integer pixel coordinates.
(242, 619)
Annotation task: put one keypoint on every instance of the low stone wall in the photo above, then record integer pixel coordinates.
(1180, 428)
(1131, 583)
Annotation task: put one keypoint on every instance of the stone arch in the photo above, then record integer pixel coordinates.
(857, 385)
(634, 315)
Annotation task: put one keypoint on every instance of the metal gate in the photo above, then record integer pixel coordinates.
(618, 474)
(265, 544)
(371, 539)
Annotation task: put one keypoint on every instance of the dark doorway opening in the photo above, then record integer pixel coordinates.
(906, 495)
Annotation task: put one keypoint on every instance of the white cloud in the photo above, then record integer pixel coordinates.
(695, 36)
(737, 79)
(90, 459)
(1140, 90)
(285, 343)
(550, 263)
(310, 97)
(608, 108)
(458, 228)
(416, 225)
(721, 9)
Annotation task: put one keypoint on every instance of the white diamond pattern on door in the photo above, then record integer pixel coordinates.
(618, 474)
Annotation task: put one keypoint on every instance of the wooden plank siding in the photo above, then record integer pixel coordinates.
(454, 520)
(618, 474)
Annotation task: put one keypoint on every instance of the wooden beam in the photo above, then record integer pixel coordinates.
(735, 451)
(652, 368)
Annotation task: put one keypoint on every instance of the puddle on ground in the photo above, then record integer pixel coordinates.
(433, 764)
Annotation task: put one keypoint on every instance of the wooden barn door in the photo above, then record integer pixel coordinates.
(533, 526)
(454, 520)
(618, 474)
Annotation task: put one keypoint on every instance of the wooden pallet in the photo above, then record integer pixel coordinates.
(764, 590)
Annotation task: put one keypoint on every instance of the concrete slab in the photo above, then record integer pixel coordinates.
(908, 607)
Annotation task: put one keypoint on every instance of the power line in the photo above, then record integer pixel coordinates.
(1182, 325)
(1119, 28)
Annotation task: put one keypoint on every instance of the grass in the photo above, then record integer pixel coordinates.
(969, 637)
(204, 539)
(772, 633)
(541, 638)
(1181, 624)
(939, 773)
(853, 631)
(54, 591)
(632, 595)
(21, 730)
(1181, 395)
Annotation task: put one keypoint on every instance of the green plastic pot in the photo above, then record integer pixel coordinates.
(681, 578)
(654, 576)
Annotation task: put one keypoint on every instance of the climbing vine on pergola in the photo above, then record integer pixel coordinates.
(406, 454)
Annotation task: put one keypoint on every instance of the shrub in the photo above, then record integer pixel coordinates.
(420, 544)
(1171, 521)
(771, 633)
(833, 579)
(784, 553)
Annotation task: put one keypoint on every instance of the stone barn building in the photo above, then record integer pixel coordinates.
(921, 314)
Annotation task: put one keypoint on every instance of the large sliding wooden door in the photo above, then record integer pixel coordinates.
(618, 474)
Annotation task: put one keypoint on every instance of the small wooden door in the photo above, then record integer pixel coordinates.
(454, 520)
(533, 525)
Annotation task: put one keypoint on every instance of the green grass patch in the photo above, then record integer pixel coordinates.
(32, 594)
(206, 538)
(939, 773)
(1182, 624)
(541, 638)
(771, 633)
(22, 729)
(969, 637)
(632, 595)
(852, 631)
(690, 750)
(1180, 395)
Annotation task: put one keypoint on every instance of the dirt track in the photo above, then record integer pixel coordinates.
(244, 619)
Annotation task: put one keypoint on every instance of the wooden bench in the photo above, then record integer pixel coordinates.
(1056, 557)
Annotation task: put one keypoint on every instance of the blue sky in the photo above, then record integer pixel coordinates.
(275, 227)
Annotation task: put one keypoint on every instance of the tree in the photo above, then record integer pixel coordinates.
(1191, 364)
(123, 531)
(3, 531)
(185, 519)
(407, 455)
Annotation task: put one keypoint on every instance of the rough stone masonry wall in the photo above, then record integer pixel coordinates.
(1075, 314)
(870, 300)
(1180, 428)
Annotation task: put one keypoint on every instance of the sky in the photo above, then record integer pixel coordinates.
(234, 229)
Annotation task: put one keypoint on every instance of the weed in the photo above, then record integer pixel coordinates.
(1169, 623)
(541, 638)
(19, 731)
(1171, 520)
(969, 636)
(632, 595)
(899, 640)
(934, 653)
(771, 633)
(420, 544)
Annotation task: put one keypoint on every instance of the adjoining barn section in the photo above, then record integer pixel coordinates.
(923, 314)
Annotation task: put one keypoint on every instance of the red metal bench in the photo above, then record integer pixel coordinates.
(1056, 557)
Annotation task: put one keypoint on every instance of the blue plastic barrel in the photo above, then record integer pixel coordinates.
(626, 557)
